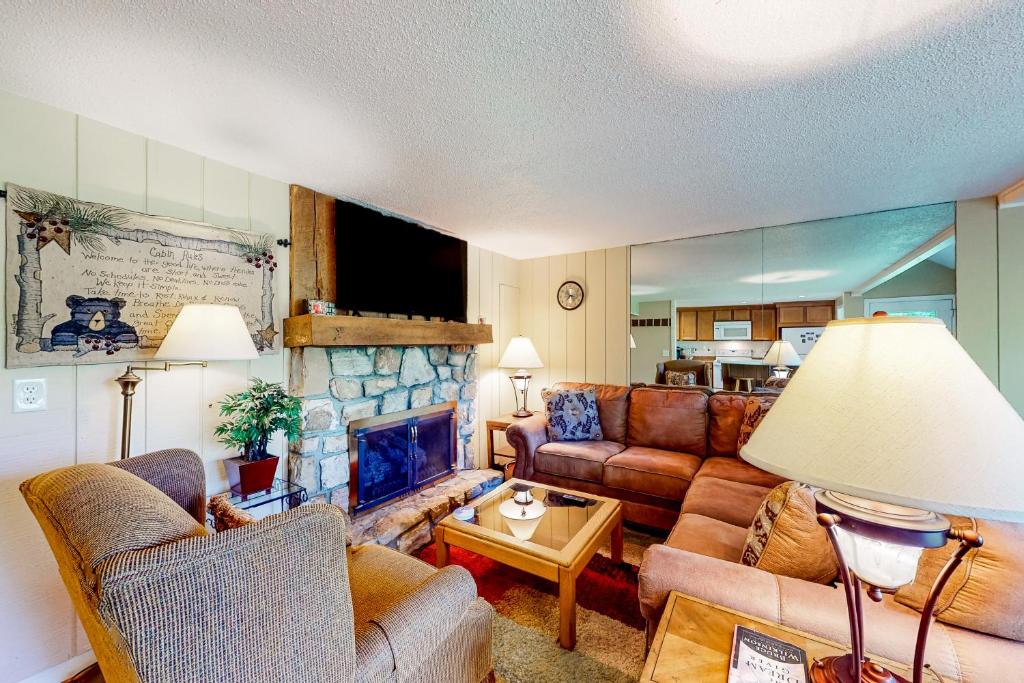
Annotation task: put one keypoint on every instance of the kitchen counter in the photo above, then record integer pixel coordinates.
(743, 361)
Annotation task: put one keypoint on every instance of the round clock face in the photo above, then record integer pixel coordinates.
(570, 295)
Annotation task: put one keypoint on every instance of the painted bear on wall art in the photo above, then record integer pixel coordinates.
(95, 325)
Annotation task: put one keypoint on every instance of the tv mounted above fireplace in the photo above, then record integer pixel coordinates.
(390, 265)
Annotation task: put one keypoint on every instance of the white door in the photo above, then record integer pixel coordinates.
(941, 306)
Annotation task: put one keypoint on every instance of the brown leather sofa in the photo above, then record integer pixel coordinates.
(664, 450)
(670, 455)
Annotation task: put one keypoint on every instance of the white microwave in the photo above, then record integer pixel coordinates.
(732, 330)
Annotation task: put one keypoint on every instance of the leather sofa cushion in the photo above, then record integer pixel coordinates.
(612, 404)
(725, 415)
(728, 501)
(984, 593)
(707, 536)
(576, 459)
(786, 539)
(734, 469)
(672, 420)
(661, 473)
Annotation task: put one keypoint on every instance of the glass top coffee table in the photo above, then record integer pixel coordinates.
(571, 529)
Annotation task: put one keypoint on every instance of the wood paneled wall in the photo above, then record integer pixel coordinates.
(590, 344)
(54, 150)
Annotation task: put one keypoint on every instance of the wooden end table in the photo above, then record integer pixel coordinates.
(499, 424)
(565, 540)
(694, 643)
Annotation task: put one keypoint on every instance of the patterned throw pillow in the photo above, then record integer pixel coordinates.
(786, 539)
(227, 516)
(754, 411)
(680, 379)
(572, 415)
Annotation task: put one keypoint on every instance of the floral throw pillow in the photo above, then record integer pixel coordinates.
(227, 516)
(680, 379)
(755, 410)
(786, 539)
(572, 415)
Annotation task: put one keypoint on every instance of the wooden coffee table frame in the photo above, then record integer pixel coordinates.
(561, 566)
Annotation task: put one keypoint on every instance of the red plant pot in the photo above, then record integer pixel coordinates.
(249, 477)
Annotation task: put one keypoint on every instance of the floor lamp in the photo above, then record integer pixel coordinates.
(206, 331)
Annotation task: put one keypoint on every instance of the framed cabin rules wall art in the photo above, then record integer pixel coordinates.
(88, 283)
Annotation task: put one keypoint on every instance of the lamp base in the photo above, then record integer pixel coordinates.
(522, 413)
(837, 670)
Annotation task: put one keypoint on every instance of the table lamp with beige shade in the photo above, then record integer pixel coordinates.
(200, 333)
(520, 354)
(781, 356)
(897, 425)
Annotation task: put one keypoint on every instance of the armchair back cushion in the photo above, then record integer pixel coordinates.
(669, 419)
(984, 593)
(612, 406)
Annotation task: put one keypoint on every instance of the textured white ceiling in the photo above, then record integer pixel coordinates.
(813, 260)
(544, 127)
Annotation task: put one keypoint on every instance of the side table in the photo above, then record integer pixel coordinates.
(291, 495)
(694, 643)
(499, 424)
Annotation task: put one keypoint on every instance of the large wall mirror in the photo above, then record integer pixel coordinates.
(708, 309)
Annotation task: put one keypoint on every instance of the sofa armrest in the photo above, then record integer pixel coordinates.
(526, 436)
(890, 629)
(245, 604)
(428, 615)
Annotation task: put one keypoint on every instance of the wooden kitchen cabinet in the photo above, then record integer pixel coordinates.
(723, 314)
(762, 324)
(687, 325)
(705, 325)
(809, 313)
(818, 315)
(741, 314)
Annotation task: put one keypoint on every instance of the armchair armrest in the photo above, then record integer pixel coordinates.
(526, 436)
(270, 600)
(428, 615)
(891, 629)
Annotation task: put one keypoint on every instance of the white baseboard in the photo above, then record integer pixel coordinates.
(63, 671)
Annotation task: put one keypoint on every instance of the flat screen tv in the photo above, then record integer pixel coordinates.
(390, 265)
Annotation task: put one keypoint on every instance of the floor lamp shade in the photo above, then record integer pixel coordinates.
(208, 332)
(894, 410)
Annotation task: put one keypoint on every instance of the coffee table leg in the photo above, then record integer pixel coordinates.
(440, 548)
(566, 608)
(617, 541)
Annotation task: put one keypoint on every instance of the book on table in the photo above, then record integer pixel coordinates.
(758, 658)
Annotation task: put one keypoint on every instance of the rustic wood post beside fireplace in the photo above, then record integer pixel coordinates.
(399, 453)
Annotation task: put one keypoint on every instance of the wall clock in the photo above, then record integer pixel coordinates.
(570, 295)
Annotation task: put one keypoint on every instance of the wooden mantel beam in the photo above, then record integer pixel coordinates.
(346, 330)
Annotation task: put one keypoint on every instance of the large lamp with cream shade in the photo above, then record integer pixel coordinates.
(781, 356)
(897, 425)
(520, 354)
(199, 333)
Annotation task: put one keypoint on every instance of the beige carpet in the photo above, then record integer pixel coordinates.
(526, 627)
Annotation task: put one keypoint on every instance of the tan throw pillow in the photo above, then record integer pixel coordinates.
(786, 539)
(680, 379)
(755, 410)
(227, 516)
(983, 594)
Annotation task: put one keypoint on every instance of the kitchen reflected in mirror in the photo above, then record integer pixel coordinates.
(729, 296)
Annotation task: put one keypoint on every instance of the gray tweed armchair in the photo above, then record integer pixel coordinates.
(281, 599)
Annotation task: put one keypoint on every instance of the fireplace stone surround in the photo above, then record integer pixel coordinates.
(339, 385)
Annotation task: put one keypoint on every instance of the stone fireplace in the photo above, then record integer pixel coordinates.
(340, 386)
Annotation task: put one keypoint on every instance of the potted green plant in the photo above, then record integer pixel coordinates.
(254, 415)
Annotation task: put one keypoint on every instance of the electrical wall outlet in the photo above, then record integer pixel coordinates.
(665, 353)
(29, 395)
